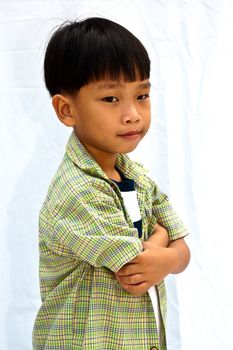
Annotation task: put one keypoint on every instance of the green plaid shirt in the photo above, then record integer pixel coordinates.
(86, 234)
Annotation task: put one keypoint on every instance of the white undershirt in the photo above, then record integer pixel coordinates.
(129, 196)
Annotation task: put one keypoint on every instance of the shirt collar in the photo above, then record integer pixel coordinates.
(80, 156)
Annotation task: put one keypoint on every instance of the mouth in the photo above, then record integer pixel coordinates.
(131, 135)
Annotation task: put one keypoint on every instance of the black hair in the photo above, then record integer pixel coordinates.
(85, 51)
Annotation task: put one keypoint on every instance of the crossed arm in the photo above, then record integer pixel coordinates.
(159, 258)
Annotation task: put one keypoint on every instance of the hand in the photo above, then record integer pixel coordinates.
(159, 236)
(148, 269)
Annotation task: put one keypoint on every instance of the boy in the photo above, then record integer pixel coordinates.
(107, 234)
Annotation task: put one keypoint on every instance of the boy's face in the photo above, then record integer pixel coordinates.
(111, 117)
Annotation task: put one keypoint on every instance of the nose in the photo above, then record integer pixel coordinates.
(130, 114)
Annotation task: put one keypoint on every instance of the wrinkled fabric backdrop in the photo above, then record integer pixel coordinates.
(188, 152)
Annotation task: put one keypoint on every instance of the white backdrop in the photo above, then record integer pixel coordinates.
(188, 150)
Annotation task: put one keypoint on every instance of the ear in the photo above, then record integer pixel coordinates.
(62, 107)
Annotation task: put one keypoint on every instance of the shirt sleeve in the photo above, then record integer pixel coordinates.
(93, 229)
(164, 214)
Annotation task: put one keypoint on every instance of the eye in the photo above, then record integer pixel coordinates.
(110, 99)
(143, 97)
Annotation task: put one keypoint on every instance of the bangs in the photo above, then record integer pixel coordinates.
(92, 50)
(110, 57)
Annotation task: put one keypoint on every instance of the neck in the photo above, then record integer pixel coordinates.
(108, 167)
(106, 161)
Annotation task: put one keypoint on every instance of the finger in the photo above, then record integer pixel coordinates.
(135, 290)
(124, 270)
(138, 289)
(129, 270)
(131, 280)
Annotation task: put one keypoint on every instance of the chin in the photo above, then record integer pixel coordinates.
(128, 149)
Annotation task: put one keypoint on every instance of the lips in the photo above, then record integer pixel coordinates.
(133, 135)
(134, 132)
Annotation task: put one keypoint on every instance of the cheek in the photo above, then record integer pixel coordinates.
(148, 118)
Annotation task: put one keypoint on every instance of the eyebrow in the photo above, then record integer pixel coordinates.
(107, 85)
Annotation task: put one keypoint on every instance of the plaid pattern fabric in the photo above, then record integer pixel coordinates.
(86, 234)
